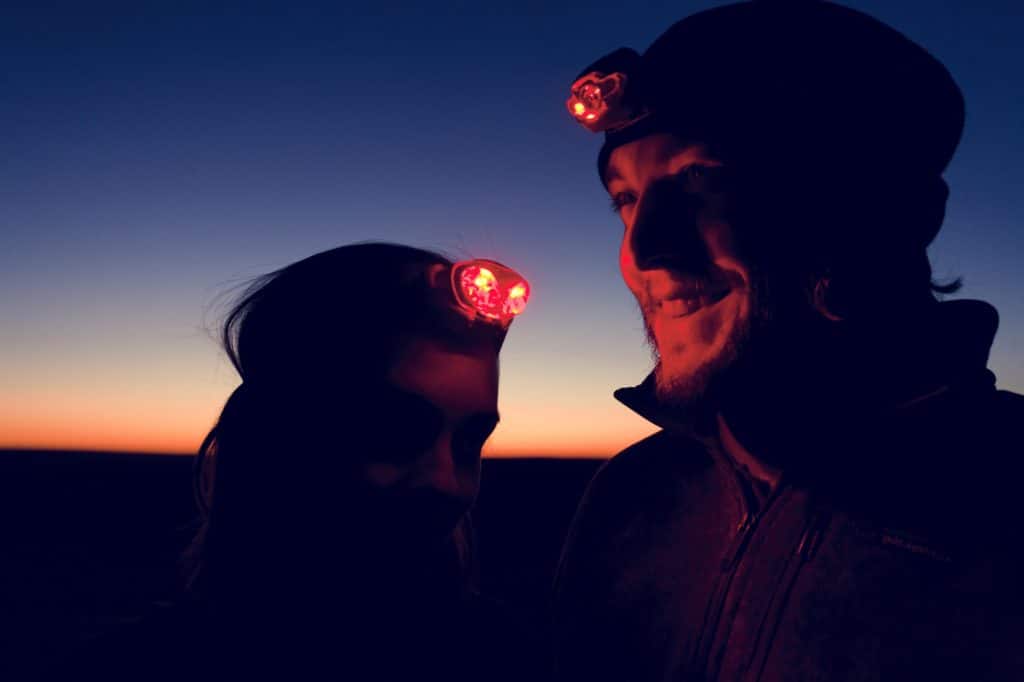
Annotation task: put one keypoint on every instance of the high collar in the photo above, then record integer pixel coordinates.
(946, 350)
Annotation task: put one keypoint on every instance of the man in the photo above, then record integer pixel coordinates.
(832, 494)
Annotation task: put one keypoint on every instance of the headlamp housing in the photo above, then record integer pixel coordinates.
(607, 96)
(488, 290)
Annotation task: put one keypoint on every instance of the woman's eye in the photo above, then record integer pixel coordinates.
(622, 199)
(380, 440)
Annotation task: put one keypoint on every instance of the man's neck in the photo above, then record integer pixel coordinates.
(757, 469)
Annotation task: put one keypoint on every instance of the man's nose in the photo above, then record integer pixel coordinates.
(665, 232)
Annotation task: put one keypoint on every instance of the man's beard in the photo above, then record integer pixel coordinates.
(705, 386)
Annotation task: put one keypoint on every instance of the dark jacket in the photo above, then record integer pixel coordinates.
(892, 552)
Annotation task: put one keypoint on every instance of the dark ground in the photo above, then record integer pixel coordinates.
(90, 537)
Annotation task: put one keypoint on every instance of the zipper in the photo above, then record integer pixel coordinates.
(816, 523)
(739, 543)
(730, 565)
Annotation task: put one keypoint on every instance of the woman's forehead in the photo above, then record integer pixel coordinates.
(459, 382)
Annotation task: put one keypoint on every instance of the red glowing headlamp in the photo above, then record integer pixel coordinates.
(489, 290)
(598, 102)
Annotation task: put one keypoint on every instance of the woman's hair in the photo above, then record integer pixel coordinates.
(309, 336)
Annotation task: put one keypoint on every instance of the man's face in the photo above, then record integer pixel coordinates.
(680, 259)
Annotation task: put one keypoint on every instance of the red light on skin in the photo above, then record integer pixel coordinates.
(490, 290)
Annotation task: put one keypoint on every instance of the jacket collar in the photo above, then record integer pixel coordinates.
(947, 353)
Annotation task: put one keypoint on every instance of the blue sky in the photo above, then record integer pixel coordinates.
(157, 153)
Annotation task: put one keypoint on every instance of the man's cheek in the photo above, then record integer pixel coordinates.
(630, 273)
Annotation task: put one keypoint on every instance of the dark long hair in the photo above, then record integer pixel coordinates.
(331, 322)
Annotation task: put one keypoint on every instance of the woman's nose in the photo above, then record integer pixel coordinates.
(443, 475)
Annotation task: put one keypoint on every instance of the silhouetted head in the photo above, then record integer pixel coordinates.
(777, 166)
(353, 444)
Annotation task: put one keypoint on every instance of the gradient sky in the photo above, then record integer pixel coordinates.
(156, 154)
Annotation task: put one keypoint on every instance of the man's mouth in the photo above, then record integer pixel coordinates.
(684, 304)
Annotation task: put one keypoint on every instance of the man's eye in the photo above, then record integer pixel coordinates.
(701, 178)
(692, 176)
(622, 199)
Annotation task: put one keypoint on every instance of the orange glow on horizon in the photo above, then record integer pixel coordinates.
(186, 444)
(527, 431)
(161, 403)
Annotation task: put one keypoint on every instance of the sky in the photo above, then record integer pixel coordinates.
(155, 155)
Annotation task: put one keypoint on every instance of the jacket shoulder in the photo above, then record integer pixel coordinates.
(663, 459)
(996, 426)
(657, 455)
(1010, 404)
(999, 432)
(649, 478)
(631, 506)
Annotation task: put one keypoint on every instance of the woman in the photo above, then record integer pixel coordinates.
(336, 483)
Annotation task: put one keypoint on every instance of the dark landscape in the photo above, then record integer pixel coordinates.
(91, 538)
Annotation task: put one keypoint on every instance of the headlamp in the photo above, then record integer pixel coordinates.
(595, 100)
(603, 99)
(488, 290)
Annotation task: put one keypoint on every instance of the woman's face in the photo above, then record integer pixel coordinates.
(438, 407)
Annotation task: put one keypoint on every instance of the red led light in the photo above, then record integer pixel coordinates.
(586, 102)
(598, 102)
(490, 290)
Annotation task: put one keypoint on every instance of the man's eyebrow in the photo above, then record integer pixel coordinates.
(663, 155)
(696, 151)
(669, 153)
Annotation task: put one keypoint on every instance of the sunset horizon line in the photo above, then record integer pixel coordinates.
(500, 454)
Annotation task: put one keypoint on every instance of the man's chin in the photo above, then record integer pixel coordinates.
(685, 380)
(683, 384)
